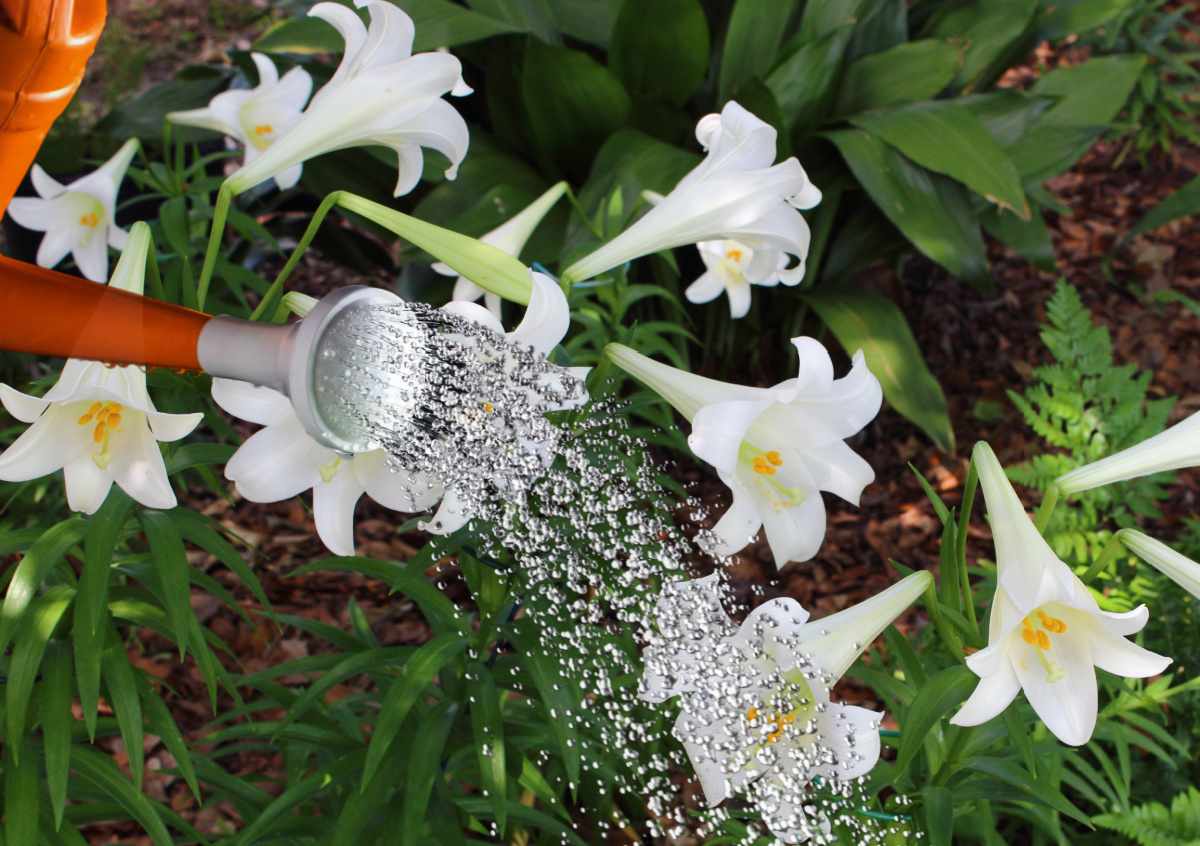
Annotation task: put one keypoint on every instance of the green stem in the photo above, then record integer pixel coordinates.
(276, 289)
(960, 550)
(1046, 509)
(1113, 550)
(220, 212)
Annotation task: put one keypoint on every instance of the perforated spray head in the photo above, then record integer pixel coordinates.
(329, 363)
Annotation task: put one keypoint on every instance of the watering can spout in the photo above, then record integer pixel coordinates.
(44, 47)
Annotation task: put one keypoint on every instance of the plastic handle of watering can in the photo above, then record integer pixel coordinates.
(44, 48)
(49, 313)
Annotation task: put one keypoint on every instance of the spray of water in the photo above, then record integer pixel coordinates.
(567, 505)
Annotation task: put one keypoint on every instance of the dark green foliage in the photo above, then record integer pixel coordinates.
(1154, 824)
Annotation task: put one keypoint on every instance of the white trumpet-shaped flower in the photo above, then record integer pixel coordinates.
(734, 193)
(78, 218)
(257, 117)
(775, 448)
(1173, 449)
(1180, 569)
(1046, 633)
(755, 716)
(510, 237)
(380, 94)
(732, 266)
(97, 424)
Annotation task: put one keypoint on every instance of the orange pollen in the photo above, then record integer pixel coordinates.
(752, 714)
(90, 219)
(264, 129)
(99, 432)
(91, 412)
(763, 467)
(775, 458)
(107, 418)
(734, 254)
(488, 408)
(1038, 634)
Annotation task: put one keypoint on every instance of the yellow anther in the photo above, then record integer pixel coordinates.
(264, 129)
(1043, 640)
(99, 432)
(1028, 635)
(733, 254)
(775, 458)
(763, 466)
(752, 714)
(488, 408)
(90, 219)
(91, 412)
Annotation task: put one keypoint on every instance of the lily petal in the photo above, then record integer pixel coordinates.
(137, 465)
(1171, 449)
(546, 318)
(22, 406)
(251, 403)
(277, 462)
(333, 510)
(687, 392)
(86, 484)
(718, 430)
(991, 696)
(1178, 568)
(1067, 705)
(852, 734)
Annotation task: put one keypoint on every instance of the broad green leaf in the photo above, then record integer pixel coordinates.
(28, 649)
(56, 721)
(882, 26)
(572, 102)
(587, 20)
(121, 683)
(97, 769)
(872, 323)
(143, 116)
(1077, 17)
(1091, 93)
(171, 566)
(990, 32)
(22, 794)
(942, 692)
(802, 84)
(938, 805)
(918, 70)
(1184, 202)
(752, 41)
(660, 49)
(35, 565)
(946, 137)
(187, 456)
(533, 16)
(933, 212)
(1030, 238)
(423, 768)
(822, 17)
(404, 692)
(487, 723)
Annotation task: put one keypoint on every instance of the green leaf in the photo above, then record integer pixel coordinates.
(938, 805)
(933, 212)
(572, 102)
(586, 20)
(918, 70)
(802, 84)
(752, 42)
(199, 529)
(527, 816)
(143, 116)
(1184, 202)
(554, 692)
(990, 34)
(423, 768)
(1011, 772)
(1091, 93)
(1029, 238)
(97, 769)
(867, 321)
(942, 692)
(27, 654)
(187, 456)
(487, 723)
(404, 692)
(22, 794)
(160, 721)
(533, 16)
(822, 17)
(1077, 17)
(660, 49)
(35, 565)
(171, 566)
(56, 725)
(121, 683)
(946, 137)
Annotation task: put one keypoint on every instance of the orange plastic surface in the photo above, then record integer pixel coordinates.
(44, 48)
(50, 313)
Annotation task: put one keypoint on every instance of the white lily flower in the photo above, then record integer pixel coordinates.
(1172, 449)
(380, 94)
(78, 218)
(775, 448)
(544, 324)
(1046, 633)
(755, 715)
(735, 193)
(1180, 569)
(256, 117)
(732, 266)
(510, 237)
(97, 424)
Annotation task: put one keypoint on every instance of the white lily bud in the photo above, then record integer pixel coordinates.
(1180, 569)
(1172, 449)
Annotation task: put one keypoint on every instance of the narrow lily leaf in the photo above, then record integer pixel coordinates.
(30, 647)
(199, 530)
(660, 50)
(22, 794)
(369, 660)
(933, 212)
(553, 691)
(488, 726)
(867, 321)
(404, 692)
(122, 689)
(939, 815)
(752, 42)
(942, 692)
(562, 832)
(1185, 202)
(56, 725)
(489, 268)
(946, 137)
(171, 566)
(97, 769)
(160, 721)
(917, 70)
(44, 554)
(424, 767)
